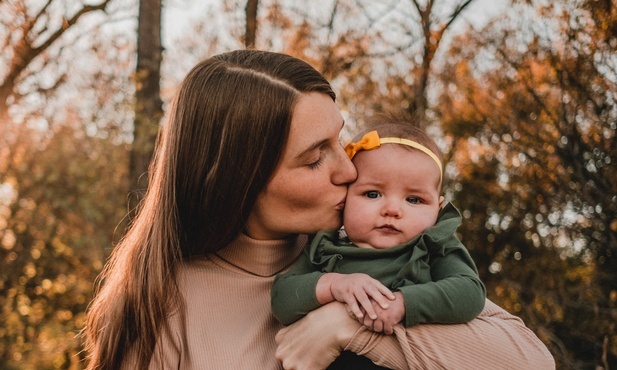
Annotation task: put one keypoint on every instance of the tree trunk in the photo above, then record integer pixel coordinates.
(148, 103)
(433, 31)
(251, 24)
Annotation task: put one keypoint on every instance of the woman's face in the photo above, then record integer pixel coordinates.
(307, 191)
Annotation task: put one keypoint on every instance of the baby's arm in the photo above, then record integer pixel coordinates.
(356, 290)
(293, 292)
(456, 295)
(303, 289)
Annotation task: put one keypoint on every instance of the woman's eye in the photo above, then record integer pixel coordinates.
(372, 194)
(315, 164)
(413, 200)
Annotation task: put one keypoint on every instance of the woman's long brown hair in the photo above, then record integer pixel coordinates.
(227, 128)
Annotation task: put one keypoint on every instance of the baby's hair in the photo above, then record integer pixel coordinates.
(402, 126)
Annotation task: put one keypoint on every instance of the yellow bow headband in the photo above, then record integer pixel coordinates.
(371, 140)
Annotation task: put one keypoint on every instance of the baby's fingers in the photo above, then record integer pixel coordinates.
(366, 304)
(386, 292)
(355, 309)
(382, 295)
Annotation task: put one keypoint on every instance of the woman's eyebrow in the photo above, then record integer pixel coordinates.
(316, 145)
(311, 148)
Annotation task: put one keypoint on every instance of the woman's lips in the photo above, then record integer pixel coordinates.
(341, 205)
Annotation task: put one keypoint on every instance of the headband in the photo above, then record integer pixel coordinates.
(371, 140)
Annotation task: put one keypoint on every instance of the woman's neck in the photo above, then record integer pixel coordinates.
(263, 257)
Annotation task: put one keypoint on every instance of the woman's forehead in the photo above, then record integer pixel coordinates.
(315, 120)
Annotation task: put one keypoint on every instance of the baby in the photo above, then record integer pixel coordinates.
(397, 258)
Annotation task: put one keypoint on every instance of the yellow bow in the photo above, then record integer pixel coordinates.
(369, 141)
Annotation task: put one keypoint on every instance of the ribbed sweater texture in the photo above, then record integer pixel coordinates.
(228, 323)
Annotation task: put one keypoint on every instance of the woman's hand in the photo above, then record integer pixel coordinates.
(316, 340)
(386, 318)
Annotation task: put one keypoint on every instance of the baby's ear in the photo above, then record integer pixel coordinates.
(441, 201)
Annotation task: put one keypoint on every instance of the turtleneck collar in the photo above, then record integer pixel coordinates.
(262, 257)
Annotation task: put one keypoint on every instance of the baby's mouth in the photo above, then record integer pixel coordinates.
(388, 228)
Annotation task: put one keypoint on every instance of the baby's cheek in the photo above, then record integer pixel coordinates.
(356, 230)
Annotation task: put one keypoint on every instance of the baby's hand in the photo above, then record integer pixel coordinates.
(386, 318)
(359, 290)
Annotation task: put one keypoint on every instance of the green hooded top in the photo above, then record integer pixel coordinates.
(433, 271)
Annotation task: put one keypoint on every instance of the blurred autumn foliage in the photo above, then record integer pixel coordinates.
(524, 104)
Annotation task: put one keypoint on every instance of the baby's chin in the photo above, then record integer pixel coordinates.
(380, 245)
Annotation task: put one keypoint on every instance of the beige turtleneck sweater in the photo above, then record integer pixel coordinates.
(229, 325)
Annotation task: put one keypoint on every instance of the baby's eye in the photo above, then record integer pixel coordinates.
(372, 194)
(413, 200)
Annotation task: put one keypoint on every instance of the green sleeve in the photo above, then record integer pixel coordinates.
(455, 294)
(293, 292)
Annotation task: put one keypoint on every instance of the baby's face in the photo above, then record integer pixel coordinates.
(395, 197)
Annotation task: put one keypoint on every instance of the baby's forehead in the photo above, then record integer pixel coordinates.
(396, 163)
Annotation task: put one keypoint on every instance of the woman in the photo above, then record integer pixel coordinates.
(248, 163)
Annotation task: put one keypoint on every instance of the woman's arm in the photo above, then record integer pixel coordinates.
(495, 339)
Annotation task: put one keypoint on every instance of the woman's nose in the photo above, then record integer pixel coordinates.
(345, 172)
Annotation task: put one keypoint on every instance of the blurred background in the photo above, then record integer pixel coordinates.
(520, 94)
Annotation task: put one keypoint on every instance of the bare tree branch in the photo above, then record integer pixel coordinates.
(25, 52)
